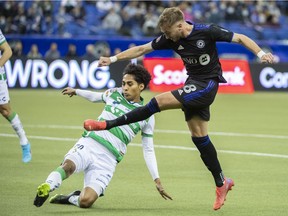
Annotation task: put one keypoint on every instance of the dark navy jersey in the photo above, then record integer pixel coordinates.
(198, 51)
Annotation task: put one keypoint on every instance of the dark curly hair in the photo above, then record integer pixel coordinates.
(140, 73)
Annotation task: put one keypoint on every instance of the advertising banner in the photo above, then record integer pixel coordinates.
(60, 73)
(238, 76)
(170, 73)
(272, 77)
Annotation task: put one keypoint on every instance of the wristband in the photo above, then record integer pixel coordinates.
(113, 59)
(260, 54)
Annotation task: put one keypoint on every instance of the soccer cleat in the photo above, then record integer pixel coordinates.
(221, 193)
(42, 194)
(63, 199)
(91, 125)
(26, 153)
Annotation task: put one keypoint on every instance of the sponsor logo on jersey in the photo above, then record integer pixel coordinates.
(116, 102)
(200, 44)
(204, 59)
(190, 60)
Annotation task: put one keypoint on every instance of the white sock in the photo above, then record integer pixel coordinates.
(74, 200)
(54, 180)
(17, 126)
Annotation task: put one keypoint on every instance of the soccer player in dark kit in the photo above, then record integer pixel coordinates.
(196, 44)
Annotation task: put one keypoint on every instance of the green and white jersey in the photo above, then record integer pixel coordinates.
(120, 137)
(2, 40)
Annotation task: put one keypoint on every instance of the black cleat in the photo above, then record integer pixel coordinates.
(42, 194)
(63, 199)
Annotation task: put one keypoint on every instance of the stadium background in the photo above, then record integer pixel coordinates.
(249, 130)
(85, 30)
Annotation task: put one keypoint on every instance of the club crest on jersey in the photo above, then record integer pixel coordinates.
(200, 44)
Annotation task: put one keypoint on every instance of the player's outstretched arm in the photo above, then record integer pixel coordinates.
(161, 190)
(128, 54)
(253, 47)
(89, 95)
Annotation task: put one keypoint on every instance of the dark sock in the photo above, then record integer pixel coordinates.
(208, 155)
(138, 114)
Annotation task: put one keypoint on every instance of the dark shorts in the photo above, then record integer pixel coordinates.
(196, 97)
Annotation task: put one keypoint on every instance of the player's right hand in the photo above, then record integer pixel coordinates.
(161, 190)
(104, 61)
(69, 91)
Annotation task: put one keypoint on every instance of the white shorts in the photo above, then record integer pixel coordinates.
(97, 162)
(4, 94)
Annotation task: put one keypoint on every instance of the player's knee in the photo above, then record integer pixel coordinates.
(5, 112)
(86, 201)
(69, 167)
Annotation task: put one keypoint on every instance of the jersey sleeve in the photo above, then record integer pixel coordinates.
(2, 38)
(90, 95)
(160, 43)
(219, 33)
(148, 148)
(148, 129)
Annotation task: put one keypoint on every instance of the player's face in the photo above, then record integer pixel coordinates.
(131, 89)
(173, 33)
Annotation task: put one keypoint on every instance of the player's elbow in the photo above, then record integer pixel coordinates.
(239, 38)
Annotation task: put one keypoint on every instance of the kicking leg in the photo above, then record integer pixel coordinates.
(161, 102)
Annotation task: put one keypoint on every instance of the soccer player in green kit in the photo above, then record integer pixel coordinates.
(5, 107)
(98, 152)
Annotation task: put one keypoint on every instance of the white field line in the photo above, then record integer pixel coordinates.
(156, 146)
(167, 131)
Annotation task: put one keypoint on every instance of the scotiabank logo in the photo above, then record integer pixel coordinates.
(237, 74)
(168, 77)
(169, 74)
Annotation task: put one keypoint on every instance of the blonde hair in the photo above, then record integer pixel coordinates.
(170, 16)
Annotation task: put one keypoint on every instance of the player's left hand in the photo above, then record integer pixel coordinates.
(267, 58)
(161, 190)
